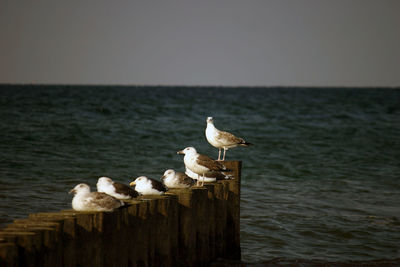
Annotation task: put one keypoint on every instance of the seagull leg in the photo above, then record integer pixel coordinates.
(219, 154)
(224, 154)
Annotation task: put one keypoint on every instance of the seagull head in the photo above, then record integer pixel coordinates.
(210, 120)
(141, 180)
(168, 173)
(188, 151)
(80, 189)
(104, 181)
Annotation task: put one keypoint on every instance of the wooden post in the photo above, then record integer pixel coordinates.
(233, 212)
(8, 254)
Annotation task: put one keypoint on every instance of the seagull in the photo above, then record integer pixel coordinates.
(117, 190)
(173, 179)
(148, 186)
(84, 200)
(221, 139)
(200, 164)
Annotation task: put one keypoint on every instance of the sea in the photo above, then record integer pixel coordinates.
(320, 183)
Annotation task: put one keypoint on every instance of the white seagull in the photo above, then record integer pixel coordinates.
(173, 179)
(221, 139)
(200, 164)
(148, 186)
(115, 189)
(84, 200)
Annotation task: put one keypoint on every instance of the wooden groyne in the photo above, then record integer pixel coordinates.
(185, 227)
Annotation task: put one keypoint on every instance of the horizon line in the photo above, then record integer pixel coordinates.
(202, 86)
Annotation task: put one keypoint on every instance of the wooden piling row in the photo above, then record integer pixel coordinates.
(184, 227)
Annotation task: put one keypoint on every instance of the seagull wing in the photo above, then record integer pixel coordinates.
(127, 190)
(158, 185)
(103, 200)
(210, 163)
(226, 138)
(184, 179)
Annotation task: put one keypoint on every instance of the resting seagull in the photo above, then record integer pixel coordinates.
(117, 190)
(173, 179)
(221, 139)
(200, 164)
(84, 200)
(148, 186)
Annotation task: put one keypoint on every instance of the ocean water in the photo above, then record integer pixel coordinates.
(321, 182)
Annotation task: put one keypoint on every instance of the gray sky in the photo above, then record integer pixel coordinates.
(207, 42)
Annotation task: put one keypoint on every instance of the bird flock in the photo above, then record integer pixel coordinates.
(199, 168)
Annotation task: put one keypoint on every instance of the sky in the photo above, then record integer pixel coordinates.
(207, 42)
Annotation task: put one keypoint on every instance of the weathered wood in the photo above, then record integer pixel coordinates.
(233, 212)
(184, 227)
(8, 254)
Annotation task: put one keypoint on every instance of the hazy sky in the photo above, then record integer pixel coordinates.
(279, 42)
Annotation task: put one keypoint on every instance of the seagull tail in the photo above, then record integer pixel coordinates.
(244, 143)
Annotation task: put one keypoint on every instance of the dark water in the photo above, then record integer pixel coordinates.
(321, 182)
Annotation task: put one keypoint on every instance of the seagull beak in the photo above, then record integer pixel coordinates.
(72, 191)
(180, 152)
(132, 183)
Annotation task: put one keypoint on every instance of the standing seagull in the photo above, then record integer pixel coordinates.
(148, 186)
(173, 179)
(84, 200)
(117, 190)
(200, 164)
(221, 139)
